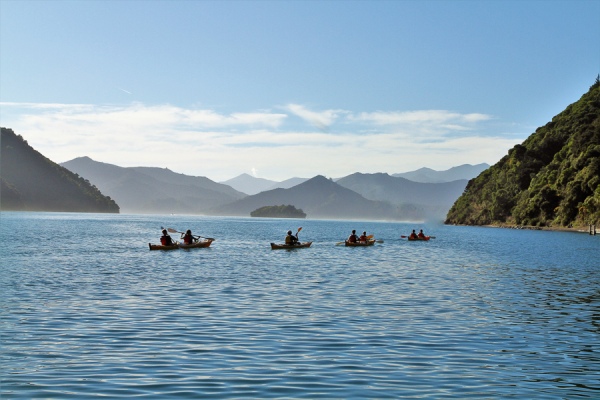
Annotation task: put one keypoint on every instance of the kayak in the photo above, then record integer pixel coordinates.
(275, 246)
(161, 247)
(358, 244)
(197, 245)
(426, 238)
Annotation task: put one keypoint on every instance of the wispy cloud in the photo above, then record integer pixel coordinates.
(320, 119)
(442, 118)
(123, 90)
(220, 146)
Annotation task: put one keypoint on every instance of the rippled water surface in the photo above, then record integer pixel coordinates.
(88, 311)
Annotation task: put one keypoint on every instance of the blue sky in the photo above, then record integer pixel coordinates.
(280, 89)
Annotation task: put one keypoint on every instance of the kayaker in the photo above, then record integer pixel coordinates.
(353, 238)
(421, 235)
(291, 239)
(413, 235)
(363, 237)
(165, 239)
(188, 238)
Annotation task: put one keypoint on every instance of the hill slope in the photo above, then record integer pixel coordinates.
(428, 175)
(427, 200)
(551, 179)
(318, 197)
(31, 182)
(248, 184)
(154, 190)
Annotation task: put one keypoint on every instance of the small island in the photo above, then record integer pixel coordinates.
(281, 211)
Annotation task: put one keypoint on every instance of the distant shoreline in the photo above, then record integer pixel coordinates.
(577, 229)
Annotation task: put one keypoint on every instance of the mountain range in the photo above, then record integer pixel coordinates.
(359, 196)
(433, 199)
(428, 175)
(154, 190)
(160, 190)
(318, 197)
(250, 185)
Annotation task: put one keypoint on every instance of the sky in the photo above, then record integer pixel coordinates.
(282, 89)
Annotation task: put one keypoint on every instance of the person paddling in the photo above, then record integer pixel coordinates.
(421, 235)
(290, 239)
(165, 239)
(188, 238)
(363, 237)
(353, 238)
(413, 235)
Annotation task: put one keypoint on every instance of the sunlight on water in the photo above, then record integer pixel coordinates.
(88, 310)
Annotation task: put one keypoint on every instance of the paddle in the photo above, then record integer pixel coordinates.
(375, 240)
(298, 241)
(171, 230)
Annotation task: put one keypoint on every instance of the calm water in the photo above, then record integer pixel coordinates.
(88, 311)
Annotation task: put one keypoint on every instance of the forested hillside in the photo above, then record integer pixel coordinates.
(31, 182)
(552, 179)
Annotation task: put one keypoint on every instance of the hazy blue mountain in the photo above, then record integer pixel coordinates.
(154, 190)
(428, 175)
(429, 200)
(288, 183)
(318, 197)
(32, 182)
(249, 184)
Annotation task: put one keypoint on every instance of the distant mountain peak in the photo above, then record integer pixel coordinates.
(428, 175)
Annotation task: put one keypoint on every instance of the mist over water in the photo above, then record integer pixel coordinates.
(88, 311)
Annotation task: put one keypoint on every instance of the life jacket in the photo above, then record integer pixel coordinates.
(188, 239)
(352, 238)
(289, 239)
(163, 240)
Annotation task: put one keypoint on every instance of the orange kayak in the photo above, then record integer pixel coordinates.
(275, 246)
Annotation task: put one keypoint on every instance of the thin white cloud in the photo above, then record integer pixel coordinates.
(220, 146)
(123, 90)
(450, 120)
(139, 115)
(321, 120)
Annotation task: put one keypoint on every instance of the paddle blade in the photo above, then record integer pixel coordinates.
(370, 236)
(299, 229)
(403, 236)
(171, 230)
